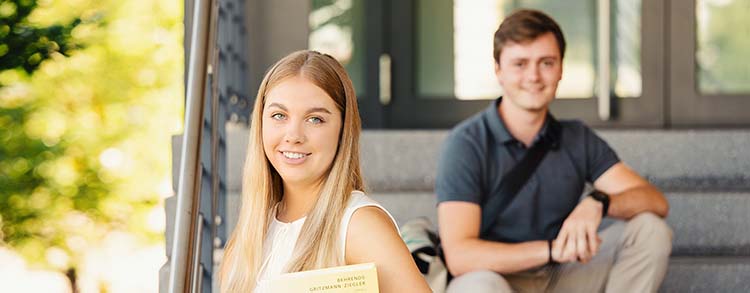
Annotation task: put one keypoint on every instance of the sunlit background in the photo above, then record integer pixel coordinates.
(90, 93)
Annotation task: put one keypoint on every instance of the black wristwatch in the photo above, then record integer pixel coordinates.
(602, 198)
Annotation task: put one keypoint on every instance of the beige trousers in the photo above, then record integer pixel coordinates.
(633, 257)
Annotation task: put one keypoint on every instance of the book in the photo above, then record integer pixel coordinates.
(359, 278)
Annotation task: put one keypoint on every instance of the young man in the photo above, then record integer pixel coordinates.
(547, 239)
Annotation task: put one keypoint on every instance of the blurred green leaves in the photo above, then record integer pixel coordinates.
(90, 93)
(25, 45)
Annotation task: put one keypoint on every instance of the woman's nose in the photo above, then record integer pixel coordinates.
(294, 134)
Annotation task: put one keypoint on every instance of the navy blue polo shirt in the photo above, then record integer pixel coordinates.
(480, 150)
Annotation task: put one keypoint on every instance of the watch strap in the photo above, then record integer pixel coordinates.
(603, 198)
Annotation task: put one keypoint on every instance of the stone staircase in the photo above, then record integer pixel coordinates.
(704, 173)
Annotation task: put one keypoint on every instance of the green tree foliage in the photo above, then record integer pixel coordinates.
(24, 45)
(85, 125)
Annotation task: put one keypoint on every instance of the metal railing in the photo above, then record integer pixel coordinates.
(189, 257)
(216, 92)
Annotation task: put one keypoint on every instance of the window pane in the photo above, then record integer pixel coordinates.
(454, 57)
(337, 28)
(435, 48)
(626, 54)
(722, 46)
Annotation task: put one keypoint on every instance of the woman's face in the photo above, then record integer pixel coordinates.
(301, 126)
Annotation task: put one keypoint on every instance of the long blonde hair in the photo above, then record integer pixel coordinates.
(316, 246)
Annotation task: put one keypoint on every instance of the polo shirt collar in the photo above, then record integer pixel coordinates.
(500, 132)
(496, 124)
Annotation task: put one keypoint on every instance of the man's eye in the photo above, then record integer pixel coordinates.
(278, 116)
(315, 120)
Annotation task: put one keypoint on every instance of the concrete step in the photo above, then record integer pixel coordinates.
(703, 223)
(707, 274)
(687, 160)
(683, 160)
(712, 224)
(673, 160)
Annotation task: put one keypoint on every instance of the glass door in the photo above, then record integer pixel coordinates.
(709, 68)
(429, 64)
(352, 31)
(443, 51)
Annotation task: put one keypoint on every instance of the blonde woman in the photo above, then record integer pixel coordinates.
(303, 207)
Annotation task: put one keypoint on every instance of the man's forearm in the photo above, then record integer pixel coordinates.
(476, 254)
(637, 200)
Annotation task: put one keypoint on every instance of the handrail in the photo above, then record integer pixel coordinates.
(186, 194)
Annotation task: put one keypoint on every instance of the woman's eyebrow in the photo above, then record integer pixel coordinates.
(318, 109)
(311, 110)
(277, 105)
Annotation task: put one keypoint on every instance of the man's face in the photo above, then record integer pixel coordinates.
(529, 72)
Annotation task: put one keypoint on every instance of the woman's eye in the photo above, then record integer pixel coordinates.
(315, 120)
(278, 116)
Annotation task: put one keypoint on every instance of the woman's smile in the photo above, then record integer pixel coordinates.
(294, 158)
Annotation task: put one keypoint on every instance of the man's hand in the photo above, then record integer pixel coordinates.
(577, 239)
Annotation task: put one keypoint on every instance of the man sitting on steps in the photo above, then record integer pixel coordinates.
(546, 238)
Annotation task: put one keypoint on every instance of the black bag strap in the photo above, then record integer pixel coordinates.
(519, 175)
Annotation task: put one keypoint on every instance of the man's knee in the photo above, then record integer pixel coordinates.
(479, 281)
(651, 234)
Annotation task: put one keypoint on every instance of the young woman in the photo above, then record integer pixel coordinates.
(302, 205)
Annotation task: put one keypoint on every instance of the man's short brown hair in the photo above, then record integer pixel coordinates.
(526, 25)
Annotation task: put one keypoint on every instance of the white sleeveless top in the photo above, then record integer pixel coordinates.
(281, 238)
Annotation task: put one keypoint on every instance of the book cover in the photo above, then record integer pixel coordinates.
(359, 278)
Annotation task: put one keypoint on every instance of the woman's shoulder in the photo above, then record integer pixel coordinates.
(359, 199)
(363, 213)
(368, 221)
